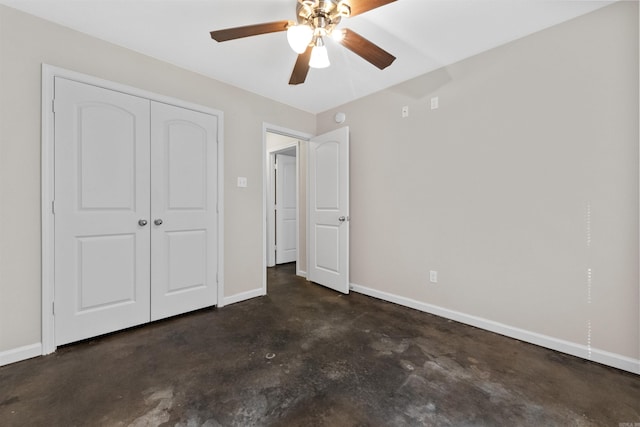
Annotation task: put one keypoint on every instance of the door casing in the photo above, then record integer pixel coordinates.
(47, 182)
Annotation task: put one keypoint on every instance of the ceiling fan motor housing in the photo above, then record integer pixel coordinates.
(322, 15)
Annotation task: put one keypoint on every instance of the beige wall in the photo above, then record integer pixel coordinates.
(25, 43)
(523, 179)
(275, 141)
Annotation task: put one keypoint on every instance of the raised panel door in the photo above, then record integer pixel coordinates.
(328, 257)
(183, 205)
(101, 192)
(286, 209)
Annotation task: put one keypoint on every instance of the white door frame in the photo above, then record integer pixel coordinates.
(266, 183)
(271, 218)
(47, 182)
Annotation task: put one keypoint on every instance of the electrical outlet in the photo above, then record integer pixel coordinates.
(433, 276)
(242, 182)
(435, 104)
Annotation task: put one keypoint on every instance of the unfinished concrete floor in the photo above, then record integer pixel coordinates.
(306, 356)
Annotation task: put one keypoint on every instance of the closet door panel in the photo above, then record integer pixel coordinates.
(102, 190)
(183, 205)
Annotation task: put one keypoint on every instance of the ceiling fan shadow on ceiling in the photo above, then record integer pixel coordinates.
(317, 19)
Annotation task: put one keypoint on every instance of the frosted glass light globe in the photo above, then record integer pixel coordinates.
(319, 57)
(299, 37)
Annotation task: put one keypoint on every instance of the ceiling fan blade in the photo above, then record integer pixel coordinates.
(362, 6)
(249, 30)
(301, 69)
(366, 49)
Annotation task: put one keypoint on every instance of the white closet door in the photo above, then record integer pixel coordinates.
(101, 193)
(286, 209)
(183, 206)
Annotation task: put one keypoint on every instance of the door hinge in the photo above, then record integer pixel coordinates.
(53, 308)
(53, 207)
(53, 105)
(217, 281)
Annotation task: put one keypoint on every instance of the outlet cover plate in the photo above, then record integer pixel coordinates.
(433, 276)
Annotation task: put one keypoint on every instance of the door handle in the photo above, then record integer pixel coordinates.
(344, 218)
(142, 222)
(157, 221)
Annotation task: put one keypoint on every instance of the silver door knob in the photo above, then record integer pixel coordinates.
(142, 222)
(342, 219)
(157, 221)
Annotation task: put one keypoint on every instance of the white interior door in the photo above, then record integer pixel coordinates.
(135, 211)
(183, 205)
(101, 193)
(286, 209)
(328, 253)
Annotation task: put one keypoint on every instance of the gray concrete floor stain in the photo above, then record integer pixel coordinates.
(306, 356)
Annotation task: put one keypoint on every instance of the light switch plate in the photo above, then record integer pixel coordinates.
(435, 103)
(242, 182)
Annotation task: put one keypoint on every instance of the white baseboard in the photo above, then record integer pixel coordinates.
(301, 273)
(600, 356)
(21, 353)
(27, 352)
(243, 296)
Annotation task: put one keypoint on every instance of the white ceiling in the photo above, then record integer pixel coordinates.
(423, 34)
